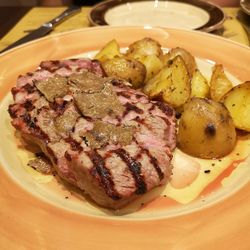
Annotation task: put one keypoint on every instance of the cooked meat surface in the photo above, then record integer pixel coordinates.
(100, 135)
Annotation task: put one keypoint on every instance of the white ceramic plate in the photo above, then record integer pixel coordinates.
(192, 14)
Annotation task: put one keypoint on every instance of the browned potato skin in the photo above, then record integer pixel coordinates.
(109, 51)
(186, 56)
(128, 69)
(206, 129)
(237, 101)
(171, 84)
(153, 65)
(144, 47)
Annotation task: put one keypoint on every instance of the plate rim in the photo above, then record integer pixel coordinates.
(65, 33)
(96, 16)
(162, 229)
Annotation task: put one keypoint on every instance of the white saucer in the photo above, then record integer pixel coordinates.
(192, 14)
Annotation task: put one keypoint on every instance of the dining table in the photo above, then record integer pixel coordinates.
(26, 19)
(43, 214)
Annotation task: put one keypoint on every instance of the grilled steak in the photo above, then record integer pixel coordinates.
(101, 135)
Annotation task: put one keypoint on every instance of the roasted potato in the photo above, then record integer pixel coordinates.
(153, 65)
(109, 51)
(199, 85)
(219, 83)
(130, 70)
(206, 129)
(156, 85)
(237, 101)
(144, 47)
(186, 56)
(171, 84)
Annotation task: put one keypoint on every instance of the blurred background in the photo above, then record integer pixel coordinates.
(28, 15)
(228, 3)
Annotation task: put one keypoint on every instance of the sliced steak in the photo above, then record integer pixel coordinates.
(101, 135)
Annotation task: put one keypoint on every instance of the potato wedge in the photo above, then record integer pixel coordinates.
(130, 70)
(237, 101)
(153, 65)
(199, 85)
(186, 56)
(171, 84)
(109, 51)
(206, 129)
(144, 47)
(179, 91)
(157, 84)
(219, 83)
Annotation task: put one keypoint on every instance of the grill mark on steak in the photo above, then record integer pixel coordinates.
(28, 105)
(30, 89)
(14, 91)
(59, 106)
(138, 96)
(54, 65)
(67, 156)
(51, 66)
(27, 119)
(76, 65)
(103, 173)
(135, 168)
(26, 89)
(164, 108)
(130, 107)
(152, 159)
(74, 145)
(117, 82)
(124, 94)
(34, 130)
(12, 111)
(155, 163)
